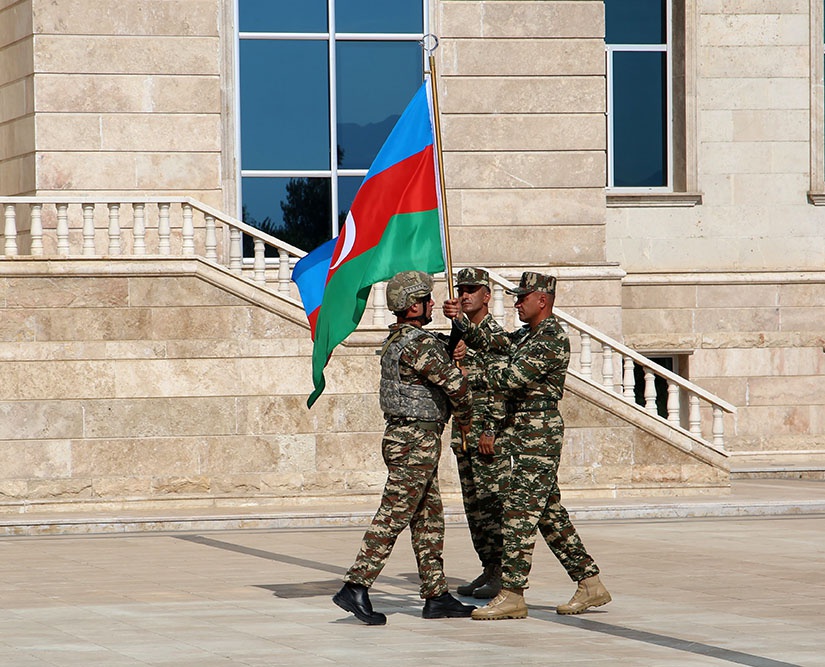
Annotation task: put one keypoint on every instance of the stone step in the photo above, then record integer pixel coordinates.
(789, 464)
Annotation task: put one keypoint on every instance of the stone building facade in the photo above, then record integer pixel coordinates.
(720, 272)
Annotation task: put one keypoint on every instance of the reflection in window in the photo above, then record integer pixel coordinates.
(308, 93)
(639, 71)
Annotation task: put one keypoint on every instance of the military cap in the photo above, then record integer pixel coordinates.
(534, 282)
(472, 276)
(405, 288)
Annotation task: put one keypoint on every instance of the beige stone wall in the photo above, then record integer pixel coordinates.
(16, 98)
(128, 97)
(172, 382)
(737, 279)
(522, 101)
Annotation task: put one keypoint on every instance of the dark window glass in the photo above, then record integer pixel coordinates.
(284, 105)
(639, 109)
(296, 210)
(282, 15)
(376, 81)
(347, 187)
(635, 21)
(379, 16)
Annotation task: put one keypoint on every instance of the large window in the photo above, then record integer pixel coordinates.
(640, 98)
(322, 83)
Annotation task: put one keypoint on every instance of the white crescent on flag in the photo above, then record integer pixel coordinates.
(349, 241)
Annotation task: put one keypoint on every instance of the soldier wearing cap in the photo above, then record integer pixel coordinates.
(420, 387)
(532, 376)
(481, 466)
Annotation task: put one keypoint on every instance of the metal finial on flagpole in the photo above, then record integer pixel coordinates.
(430, 43)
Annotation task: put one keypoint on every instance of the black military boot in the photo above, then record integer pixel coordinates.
(355, 599)
(446, 606)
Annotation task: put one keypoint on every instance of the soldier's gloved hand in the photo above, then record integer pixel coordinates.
(451, 309)
(460, 351)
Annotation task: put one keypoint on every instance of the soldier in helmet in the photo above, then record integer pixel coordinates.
(482, 467)
(419, 389)
(532, 376)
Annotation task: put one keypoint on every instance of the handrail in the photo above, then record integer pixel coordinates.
(167, 226)
(162, 225)
(625, 387)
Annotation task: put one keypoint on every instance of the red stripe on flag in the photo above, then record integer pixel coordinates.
(405, 187)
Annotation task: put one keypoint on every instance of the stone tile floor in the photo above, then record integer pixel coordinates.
(713, 590)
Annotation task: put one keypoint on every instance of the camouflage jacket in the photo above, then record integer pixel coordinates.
(489, 410)
(425, 361)
(532, 374)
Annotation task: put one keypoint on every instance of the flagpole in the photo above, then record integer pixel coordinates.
(455, 334)
(439, 153)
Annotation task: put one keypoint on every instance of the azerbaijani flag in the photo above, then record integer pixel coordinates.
(394, 225)
(310, 275)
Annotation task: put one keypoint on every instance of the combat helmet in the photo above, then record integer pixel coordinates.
(405, 288)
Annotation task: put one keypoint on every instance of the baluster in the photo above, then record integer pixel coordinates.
(63, 230)
(718, 428)
(650, 391)
(88, 229)
(37, 230)
(607, 366)
(139, 229)
(164, 230)
(629, 380)
(211, 237)
(259, 264)
(235, 251)
(694, 418)
(188, 248)
(11, 231)
(283, 271)
(498, 303)
(586, 357)
(672, 402)
(114, 229)
(379, 304)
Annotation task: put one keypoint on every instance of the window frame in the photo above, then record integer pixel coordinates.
(683, 152)
(331, 37)
(667, 49)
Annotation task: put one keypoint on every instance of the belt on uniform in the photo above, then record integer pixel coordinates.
(433, 426)
(538, 405)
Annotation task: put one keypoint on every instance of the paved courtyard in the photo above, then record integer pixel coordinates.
(687, 592)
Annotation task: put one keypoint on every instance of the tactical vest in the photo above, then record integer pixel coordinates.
(401, 399)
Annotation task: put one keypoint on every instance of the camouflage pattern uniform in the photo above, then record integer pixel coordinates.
(411, 449)
(481, 474)
(533, 379)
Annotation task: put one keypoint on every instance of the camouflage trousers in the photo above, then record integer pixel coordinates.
(480, 476)
(532, 503)
(411, 498)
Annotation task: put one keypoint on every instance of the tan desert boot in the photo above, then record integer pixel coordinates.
(507, 604)
(590, 593)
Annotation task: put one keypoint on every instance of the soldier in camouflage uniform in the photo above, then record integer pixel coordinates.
(533, 378)
(482, 466)
(419, 388)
